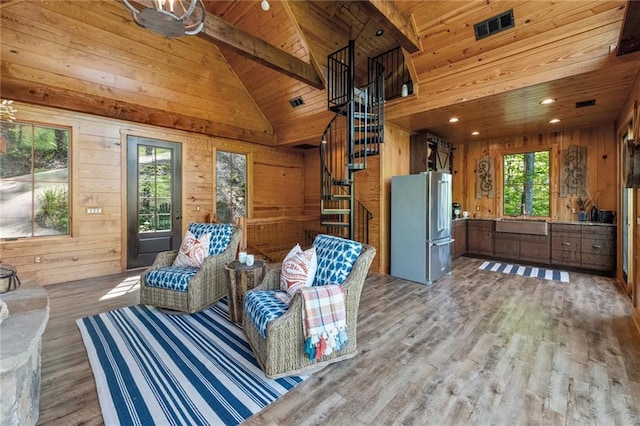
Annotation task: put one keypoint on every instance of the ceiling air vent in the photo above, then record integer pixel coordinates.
(296, 102)
(590, 102)
(494, 25)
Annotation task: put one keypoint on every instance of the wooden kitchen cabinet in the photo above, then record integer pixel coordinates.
(522, 247)
(506, 245)
(459, 234)
(480, 237)
(535, 248)
(566, 243)
(591, 247)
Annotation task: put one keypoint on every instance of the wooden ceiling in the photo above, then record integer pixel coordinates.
(90, 57)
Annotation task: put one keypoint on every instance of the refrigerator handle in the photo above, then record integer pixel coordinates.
(444, 243)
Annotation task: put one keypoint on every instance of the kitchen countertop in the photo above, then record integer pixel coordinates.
(562, 222)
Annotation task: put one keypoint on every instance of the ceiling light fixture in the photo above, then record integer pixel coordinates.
(547, 101)
(475, 133)
(170, 18)
(264, 5)
(454, 120)
(554, 120)
(379, 32)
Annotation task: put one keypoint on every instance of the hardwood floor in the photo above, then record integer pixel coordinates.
(474, 348)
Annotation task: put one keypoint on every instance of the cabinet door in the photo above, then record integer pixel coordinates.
(535, 248)
(460, 237)
(480, 237)
(506, 245)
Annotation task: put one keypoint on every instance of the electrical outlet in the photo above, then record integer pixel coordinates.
(477, 208)
(37, 259)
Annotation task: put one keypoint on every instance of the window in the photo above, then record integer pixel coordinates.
(526, 184)
(231, 186)
(34, 180)
(155, 184)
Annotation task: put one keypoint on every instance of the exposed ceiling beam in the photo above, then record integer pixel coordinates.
(630, 33)
(218, 31)
(393, 22)
(41, 94)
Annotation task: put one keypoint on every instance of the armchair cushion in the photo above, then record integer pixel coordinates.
(193, 250)
(336, 257)
(220, 235)
(262, 307)
(171, 277)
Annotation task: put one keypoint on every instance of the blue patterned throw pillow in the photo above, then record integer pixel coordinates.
(336, 257)
(220, 235)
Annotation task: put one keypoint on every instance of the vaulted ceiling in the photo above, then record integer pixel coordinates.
(91, 57)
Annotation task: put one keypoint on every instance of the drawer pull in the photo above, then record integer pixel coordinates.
(595, 246)
(564, 243)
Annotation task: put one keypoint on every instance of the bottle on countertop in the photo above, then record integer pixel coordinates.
(594, 214)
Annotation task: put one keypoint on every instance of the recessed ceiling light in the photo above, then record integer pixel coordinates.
(264, 5)
(554, 120)
(379, 32)
(475, 133)
(547, 101)
(454, 120)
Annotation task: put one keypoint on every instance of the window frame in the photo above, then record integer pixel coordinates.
(72, 231)
(553, 170)
(248, 176)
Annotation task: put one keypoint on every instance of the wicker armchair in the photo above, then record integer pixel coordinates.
(207, 286)
(281, 353)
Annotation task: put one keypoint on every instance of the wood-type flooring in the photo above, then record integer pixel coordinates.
(474, 348)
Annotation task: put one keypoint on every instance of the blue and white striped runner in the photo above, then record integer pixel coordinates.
(526, 271)
(154, 368)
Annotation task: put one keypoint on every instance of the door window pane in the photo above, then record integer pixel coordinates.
(154, 189)
(231, 186)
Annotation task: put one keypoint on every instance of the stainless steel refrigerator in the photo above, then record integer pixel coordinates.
(421, 226)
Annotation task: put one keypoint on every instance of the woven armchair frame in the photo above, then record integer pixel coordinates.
(205, 288)
(281, 353)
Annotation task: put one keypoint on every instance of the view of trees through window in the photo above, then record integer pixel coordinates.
(34, 180)
(155, 179)
(231, 186)
(526, 184)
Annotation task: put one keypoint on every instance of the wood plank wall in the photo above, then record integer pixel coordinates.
(97, 246)
(629, 112)
(89, 56)
(602, 169)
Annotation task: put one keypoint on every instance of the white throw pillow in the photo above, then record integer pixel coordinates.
(298, 269)
(193, 250)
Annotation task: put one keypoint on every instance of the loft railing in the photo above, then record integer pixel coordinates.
(396, 72)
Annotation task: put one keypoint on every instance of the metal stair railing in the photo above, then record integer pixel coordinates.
(354, 133)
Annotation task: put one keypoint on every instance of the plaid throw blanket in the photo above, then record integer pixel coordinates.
(325, 320)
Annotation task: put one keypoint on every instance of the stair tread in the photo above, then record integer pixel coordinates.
(336, 224)
(335, 211)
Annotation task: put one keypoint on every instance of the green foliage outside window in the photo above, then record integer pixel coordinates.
(231, 186)
(526, 184)
(34, 180)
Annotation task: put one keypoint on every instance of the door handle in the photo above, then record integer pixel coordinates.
(564, 243)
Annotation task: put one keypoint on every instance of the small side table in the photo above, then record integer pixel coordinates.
(241, 279)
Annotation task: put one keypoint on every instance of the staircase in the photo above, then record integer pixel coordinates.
(354, 134)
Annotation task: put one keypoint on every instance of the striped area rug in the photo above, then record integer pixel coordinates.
(526, 271)
(155, 368)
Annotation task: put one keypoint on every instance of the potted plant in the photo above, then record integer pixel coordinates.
(582, 204)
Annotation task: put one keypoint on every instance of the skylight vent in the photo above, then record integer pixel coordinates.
(494, 25)
(296, 102)
(590, 102)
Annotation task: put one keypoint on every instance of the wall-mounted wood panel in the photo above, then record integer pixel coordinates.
(602, 169)
(97, 246)
(93, 48)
